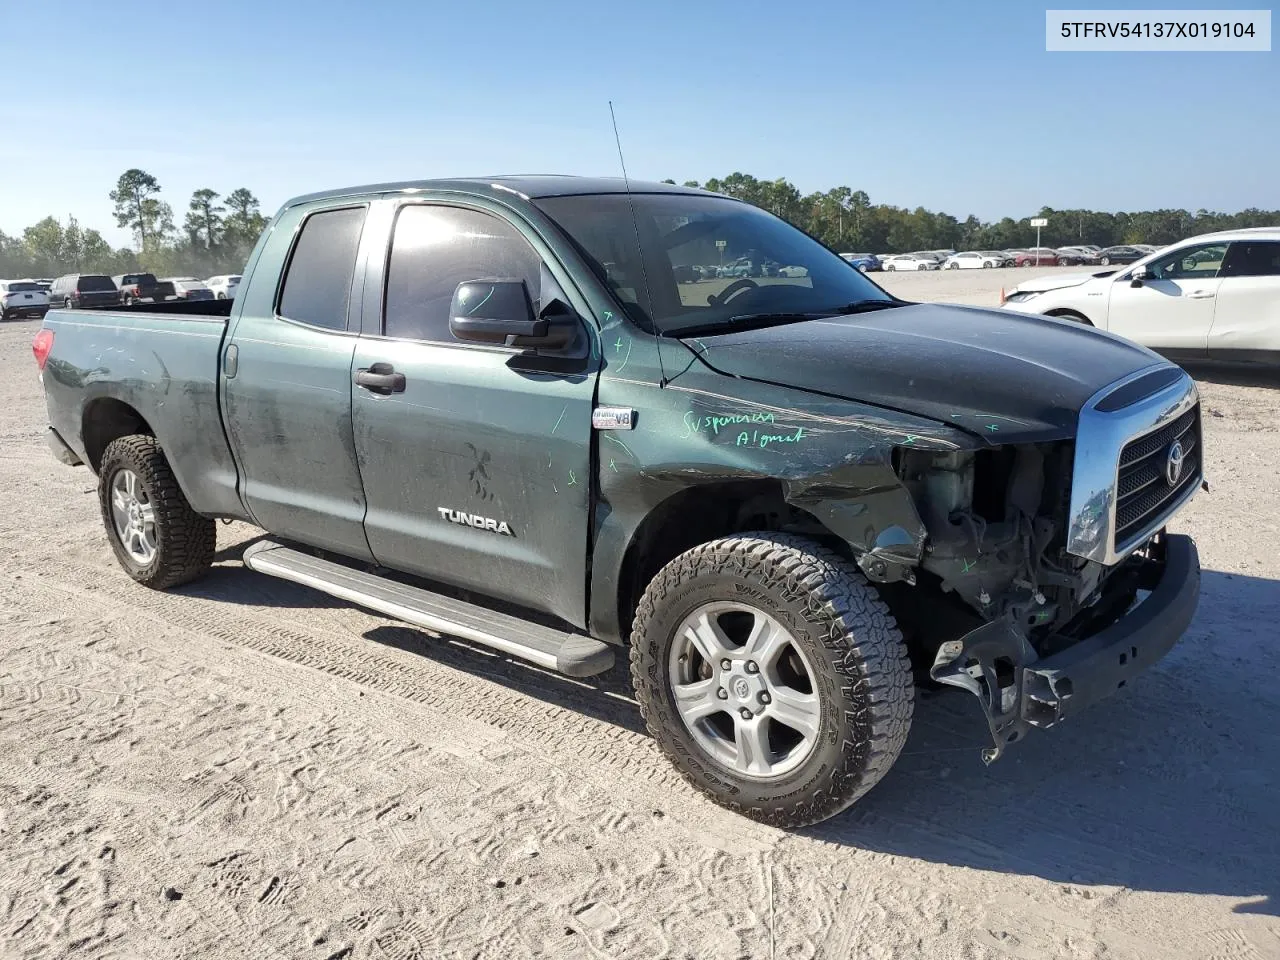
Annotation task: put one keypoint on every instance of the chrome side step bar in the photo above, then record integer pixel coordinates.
(569, 653)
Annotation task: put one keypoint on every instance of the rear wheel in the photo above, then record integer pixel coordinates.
(772, 675)
(923, 266)
(156, 536)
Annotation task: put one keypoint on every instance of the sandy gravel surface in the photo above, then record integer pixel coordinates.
(245, 769)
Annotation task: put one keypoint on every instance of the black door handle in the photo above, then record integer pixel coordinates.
(380, 378)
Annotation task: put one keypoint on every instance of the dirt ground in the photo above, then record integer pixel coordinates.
(245, 769)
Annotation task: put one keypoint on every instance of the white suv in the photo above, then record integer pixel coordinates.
(22, 298)
(1211, 297)
(224, 287)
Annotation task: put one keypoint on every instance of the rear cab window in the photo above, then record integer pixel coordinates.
(317, 281)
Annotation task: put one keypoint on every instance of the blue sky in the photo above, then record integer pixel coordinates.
(953, 106)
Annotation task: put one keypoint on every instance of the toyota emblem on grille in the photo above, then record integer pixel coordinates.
(1173, 463)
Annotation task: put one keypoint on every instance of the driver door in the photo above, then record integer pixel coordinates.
(1172, 307)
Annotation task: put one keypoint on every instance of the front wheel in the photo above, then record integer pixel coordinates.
(1105, 261)
(772, 675)
(156, 536)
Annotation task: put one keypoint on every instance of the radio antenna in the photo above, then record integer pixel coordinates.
(635, 223)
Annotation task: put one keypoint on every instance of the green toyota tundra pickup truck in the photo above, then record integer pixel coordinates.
(533, 412)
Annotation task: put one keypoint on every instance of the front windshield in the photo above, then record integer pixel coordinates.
(708, 261)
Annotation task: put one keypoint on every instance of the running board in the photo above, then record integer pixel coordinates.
(569, 653)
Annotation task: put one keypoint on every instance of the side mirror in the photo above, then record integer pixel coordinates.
(1139, 275)
(500, 312)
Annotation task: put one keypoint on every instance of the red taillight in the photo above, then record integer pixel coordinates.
(41, 346)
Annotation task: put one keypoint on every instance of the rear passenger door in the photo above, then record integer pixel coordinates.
(1247, 319)
(286, 379)
(478, 473)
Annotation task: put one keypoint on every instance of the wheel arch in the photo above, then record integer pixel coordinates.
(1066, 313)
(106, 419)
(697, 515)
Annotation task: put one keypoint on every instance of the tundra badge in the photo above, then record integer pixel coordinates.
(475, 520)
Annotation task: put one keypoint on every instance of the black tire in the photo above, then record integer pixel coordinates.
(890, 268)
(1105, 261)
(844, 630)
(67, 304)
(185, 540)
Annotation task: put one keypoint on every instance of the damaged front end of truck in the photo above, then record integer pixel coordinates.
(1049, 561)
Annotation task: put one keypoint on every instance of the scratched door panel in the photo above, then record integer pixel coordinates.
(477, 436)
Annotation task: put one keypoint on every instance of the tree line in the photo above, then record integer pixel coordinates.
(216, 236)
(218, 231)
(846, 220)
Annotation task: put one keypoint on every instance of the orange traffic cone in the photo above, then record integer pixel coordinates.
(1002, 295)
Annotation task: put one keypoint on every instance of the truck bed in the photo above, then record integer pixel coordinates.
(160, 360)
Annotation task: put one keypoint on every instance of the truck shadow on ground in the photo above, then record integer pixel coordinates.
(1170, 786)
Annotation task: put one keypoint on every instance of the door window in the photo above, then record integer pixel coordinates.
(435, 248)
(317, 284)
(1255, 258)
(1189, 263)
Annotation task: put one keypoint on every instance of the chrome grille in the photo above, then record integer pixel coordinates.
(1142, 487)
(1120, 494)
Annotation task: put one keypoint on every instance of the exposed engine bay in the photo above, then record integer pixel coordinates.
(1010, 592)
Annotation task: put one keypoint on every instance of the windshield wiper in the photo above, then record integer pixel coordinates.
(756, 321)
(858, 306)
(748, 321)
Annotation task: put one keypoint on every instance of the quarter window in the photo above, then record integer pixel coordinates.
(317, 287)
(435, 248)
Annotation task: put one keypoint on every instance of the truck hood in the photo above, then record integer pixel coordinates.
(1057, 281)
(1002, 375)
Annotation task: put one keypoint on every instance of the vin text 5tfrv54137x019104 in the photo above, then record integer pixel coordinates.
(538, 414)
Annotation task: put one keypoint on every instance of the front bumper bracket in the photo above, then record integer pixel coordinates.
(1020, 690)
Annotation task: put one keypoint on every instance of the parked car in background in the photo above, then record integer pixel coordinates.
(190, 288)
(224, 285)
(45, 284)
(140, 287)
(749, 267)
(74, 291)
(1215, 297)
(1119, 254)
(1004, 258)
(911, 261)
(971, 260)
(1036, 257)
(1072, 256)
(866, 262)
(22, 298)
(942, 254)
(793, 271)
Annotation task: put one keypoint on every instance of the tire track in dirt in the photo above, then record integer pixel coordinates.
(469, 713)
